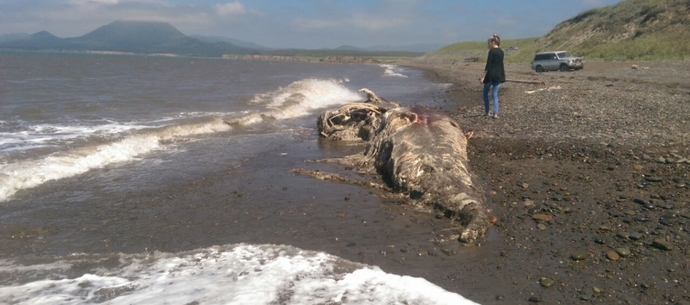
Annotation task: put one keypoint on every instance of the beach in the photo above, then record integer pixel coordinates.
(588, 175)
(585, 171)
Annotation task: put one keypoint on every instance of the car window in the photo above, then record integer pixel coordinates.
(564, 54)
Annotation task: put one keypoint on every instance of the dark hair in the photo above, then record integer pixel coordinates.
(495, 39)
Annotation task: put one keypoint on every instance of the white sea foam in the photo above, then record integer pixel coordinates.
(42, 135)
(230, 274)
(298, 99)
(31, 173)
(393, 70)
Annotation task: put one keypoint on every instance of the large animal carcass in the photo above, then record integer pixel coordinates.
(421, 154)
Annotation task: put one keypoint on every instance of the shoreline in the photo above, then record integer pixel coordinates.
(592, 197)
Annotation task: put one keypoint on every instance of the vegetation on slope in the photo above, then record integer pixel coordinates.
(631, 29)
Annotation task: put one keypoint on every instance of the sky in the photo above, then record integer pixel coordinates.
(305, 23)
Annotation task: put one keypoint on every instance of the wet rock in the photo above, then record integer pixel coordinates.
(579, 255)
(613, 255)
(640, 201)
(636, 236)
(654, 179)
(623, 252)
(542, 217)
(546, 282)
(662, 244)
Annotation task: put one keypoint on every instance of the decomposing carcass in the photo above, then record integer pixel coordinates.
(420, 153)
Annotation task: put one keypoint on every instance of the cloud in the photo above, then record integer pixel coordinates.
(231, 8)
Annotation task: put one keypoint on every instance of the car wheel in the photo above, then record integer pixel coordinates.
(539, 69)
(564, 68)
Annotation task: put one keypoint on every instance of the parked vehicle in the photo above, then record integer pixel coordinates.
(556, 60)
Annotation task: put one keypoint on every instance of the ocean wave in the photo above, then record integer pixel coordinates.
(298, 99)
(31, 173)
(393, 70)
(229, 274)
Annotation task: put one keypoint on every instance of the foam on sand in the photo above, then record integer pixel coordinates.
(230, 274)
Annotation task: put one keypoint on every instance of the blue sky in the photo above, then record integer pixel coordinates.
(305, 23)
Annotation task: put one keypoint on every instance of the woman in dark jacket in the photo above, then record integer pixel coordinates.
(494, 74)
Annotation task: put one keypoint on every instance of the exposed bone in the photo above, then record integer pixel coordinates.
(419, 151)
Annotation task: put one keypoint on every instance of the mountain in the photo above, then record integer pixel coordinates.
(133, 34)
(12, 37)
(129, 36)
(631, 29)
(237, 42)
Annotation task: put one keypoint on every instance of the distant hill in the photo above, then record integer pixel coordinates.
(631, 29)
(237, 42)
(12, 37)
(129, 36)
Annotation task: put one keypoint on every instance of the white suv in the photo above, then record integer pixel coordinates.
(556, 60)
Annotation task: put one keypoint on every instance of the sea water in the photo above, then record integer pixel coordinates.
(85, 140)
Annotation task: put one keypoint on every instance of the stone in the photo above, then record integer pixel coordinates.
(542, 217)
(579, 255)
(654, 179)
(623, 234)
(623, 252)
(662, 244)
(636, 236)
(637, 167)
(541, 226)
(546, 282)
(613, 255)
(640, 201)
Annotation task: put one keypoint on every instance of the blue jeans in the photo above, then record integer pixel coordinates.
(496, 86)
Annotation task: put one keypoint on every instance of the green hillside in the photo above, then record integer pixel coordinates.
(631, 29)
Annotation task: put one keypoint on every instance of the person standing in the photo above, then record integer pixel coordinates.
(494, 75)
